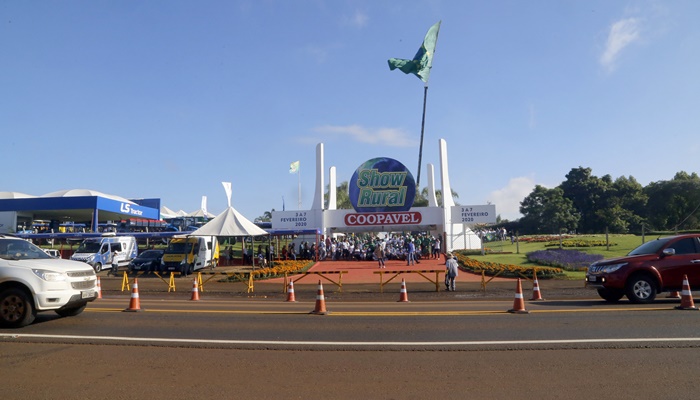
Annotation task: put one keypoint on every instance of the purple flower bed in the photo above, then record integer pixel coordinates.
(571, 260)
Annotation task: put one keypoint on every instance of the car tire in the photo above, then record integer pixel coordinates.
(98, 268)
(16, 308)
(641, 289)
(72, 311)
(610, 295)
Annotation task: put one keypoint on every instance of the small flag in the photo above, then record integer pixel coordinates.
(423, 60)
(227, 189)
(294, 167)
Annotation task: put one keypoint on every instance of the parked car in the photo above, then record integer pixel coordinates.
(654, 267)
(32, 281)
(148, 261)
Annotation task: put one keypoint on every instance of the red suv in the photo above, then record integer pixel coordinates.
(654, 267)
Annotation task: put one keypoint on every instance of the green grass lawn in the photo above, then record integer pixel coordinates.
(516, 253)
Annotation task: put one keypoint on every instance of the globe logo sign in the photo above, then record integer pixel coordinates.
(382, 185)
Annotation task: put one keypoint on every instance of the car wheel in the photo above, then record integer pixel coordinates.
(72, 311)
(641, 289)
(16, 308)
(610, 295)
(98, 268)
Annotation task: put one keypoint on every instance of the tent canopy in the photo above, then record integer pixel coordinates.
(229, 223)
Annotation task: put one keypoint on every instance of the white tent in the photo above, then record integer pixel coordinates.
(200, 213)
(229, 223)
(165, 212)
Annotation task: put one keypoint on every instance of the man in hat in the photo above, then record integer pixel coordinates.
(451, 272)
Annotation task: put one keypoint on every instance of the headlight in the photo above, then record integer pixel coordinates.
(612, 268)
(50, 276)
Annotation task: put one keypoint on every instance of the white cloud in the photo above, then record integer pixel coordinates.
(358, 19)
(507, 199)
(384, 136)
(622, 33)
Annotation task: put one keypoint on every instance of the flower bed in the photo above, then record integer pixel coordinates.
(571, 260)
(580, 243)
(504, 270)
(279, 268)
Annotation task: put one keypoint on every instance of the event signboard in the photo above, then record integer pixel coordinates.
(382, 185)
(294, 220)
(483, 214)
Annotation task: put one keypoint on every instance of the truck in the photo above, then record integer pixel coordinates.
(98, 251)
(31, 281)
(186, 254)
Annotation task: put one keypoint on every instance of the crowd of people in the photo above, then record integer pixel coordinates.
(363, 247)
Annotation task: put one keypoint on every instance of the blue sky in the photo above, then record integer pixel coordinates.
(167, 99)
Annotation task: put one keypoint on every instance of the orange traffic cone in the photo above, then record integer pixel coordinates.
(290, 292)
(99, 288)
(195, 291)
(686, 296)
(673, 295)
(404, 294)
(135, 303)
(536, 295)
(320, 308)
(519, 303)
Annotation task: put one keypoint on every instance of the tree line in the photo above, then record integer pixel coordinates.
(585, 203)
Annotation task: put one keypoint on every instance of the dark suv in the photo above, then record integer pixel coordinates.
(654, 267)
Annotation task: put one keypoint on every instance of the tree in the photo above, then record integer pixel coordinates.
(587, 194)
(438, 195)
(547, 211)
(266, 217)
(342, 197)
(674, 204)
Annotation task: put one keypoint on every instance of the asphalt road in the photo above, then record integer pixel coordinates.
(257, 347)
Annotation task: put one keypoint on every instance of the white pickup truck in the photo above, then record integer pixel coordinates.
(32, 281)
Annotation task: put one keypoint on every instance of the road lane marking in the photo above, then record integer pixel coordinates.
(381, 313)
(361, 344)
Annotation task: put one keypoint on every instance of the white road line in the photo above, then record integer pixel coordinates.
(365, 344)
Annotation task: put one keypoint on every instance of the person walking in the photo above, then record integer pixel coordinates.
(379, 254)
(411, 254)
(451, 272)
(115, 263)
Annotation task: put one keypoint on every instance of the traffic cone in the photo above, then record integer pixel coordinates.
(536, 295)
(519, 303)
(99, 288)
(135, 303)
(195, 291)
(290, 292)
(673, 295)
(686, 296)
(404, 293)
(320, 308)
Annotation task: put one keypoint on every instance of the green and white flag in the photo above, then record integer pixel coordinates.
(294, 167)
(422, 62)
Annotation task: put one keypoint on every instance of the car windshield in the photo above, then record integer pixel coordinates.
(150, 254)
(652, 247)
(89, 247)
(178, 248)
(16, 249)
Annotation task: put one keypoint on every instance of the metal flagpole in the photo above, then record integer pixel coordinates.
(299, 177)
(422, 130)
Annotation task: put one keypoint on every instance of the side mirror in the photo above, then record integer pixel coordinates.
(669, 251)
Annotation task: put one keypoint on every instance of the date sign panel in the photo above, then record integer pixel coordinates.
(485, 214)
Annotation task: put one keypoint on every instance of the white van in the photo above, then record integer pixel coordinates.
(98, 251)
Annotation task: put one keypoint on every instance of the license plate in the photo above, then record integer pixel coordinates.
(86, 294)
(591, 279)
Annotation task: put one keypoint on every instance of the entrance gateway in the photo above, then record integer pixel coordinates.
(382, 191)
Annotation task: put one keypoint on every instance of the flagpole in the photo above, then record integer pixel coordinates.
(422, 130)
(299, 177)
